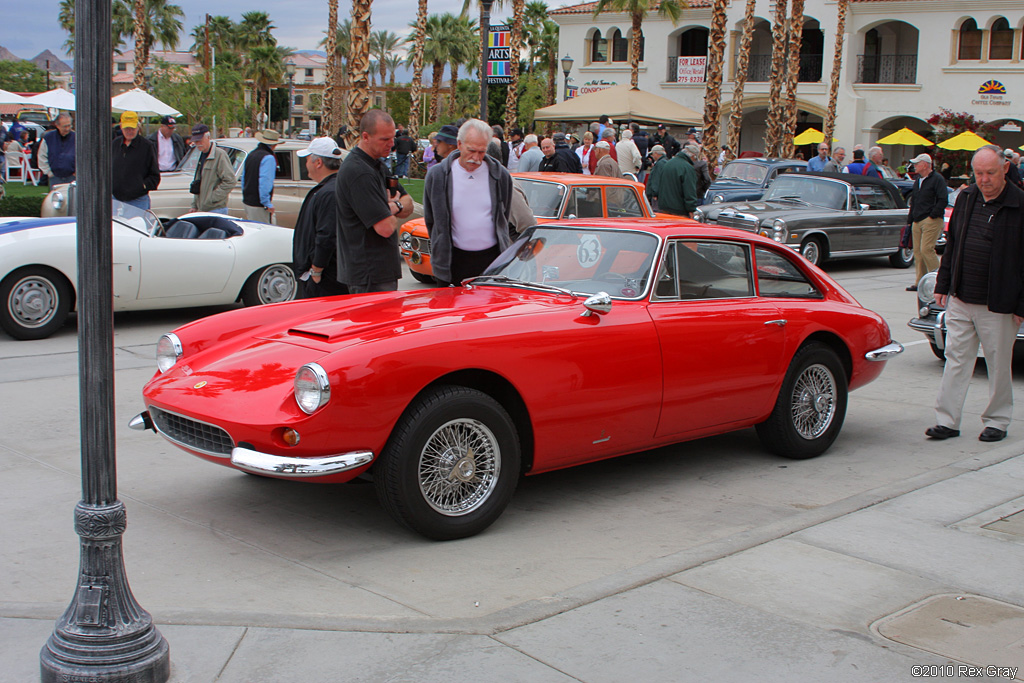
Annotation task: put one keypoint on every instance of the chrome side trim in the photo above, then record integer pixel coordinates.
(888, 351)
(297, 468)
(939, 334)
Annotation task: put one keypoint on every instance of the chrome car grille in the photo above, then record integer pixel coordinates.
(735, 219)
(193, 434)
(420, 244)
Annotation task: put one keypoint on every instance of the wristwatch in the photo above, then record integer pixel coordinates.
(398, 204)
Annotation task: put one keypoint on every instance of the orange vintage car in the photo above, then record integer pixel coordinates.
(551, 196)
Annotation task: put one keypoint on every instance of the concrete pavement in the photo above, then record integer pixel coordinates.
(890, 558)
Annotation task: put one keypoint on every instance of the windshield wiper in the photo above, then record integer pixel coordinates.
(792, 198)
(526, 283)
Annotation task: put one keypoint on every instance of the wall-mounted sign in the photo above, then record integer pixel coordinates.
(1009, 128)
(594, 86)
(691, 69)
(992, 93)
(572, 91)
(499, 55)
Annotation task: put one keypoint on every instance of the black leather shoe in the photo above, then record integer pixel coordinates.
(992, 434)
(942, 432)
(912, 288)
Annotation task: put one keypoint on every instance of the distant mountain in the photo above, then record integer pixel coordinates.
(8, 56)
(57, 65)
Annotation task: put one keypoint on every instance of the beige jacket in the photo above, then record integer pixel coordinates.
(216, 182)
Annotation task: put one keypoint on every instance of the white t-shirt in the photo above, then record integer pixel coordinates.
(472, 221)
(165, 152)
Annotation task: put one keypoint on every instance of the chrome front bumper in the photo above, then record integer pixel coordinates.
(256, 462)
(890, 350)
(933, 328)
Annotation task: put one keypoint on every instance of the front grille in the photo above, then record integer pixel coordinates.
(193, 434)
(737, 220)
(421, 244)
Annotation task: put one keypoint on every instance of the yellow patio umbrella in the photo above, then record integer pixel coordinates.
(905, 136)
(811, 136)
(967, 140)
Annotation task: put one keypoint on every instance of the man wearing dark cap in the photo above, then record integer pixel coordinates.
(447, 141)
(516, 147)
(665, 139)
(562, 149)
(214, 178)
(258, 175)
(169, 145)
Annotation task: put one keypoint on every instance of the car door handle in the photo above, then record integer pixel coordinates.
(781, 322)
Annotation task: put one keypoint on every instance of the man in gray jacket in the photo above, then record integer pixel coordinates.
(214, 178)
(467, 200)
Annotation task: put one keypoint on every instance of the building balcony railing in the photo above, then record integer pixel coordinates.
(759, 68)
(886, 69)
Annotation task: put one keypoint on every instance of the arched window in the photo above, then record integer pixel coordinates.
(970, 40)
(620, 47)
(693, 43)
(598, 48)
(1000, 40)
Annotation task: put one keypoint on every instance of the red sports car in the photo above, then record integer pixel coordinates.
(584, 340)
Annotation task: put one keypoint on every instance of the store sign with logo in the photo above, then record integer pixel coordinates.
(691, 69)
(499, 55)
(992, 93)
(595, 86)
(571, 91)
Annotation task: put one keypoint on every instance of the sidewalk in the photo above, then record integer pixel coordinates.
(916, 579)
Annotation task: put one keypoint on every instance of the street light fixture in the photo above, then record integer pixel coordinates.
(289, 69)
(566, 68)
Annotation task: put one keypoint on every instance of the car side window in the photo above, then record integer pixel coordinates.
(779, 277)
(622, 202)
(284, 165)
(705, 270)
(584, 202)
(875, 197)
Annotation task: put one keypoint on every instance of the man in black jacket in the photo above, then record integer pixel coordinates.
(170, 147)
(314, 245)
(981, 284)
(135, 170)
(562, 149)
(928, 202)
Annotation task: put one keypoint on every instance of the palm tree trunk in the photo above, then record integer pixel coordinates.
(713, 92)
(796, 30)
(742, 64)
(552, 76)
(772, 136)
(453, 90)
(634, 50)
(359, 64)
(140, 44)
(435, 91)
(516, 44)
(327, 113)
(417, 69)
(837, 67)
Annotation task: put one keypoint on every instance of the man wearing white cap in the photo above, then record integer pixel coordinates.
(927, 209)
(606, 165)
(258, 175)
(314, 245)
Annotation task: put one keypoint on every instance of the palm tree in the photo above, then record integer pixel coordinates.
(255, 30)
(391, 63)
(419, 37)
(435, 51)
(772, 136)
(713, 92)
(219, 35)
(66, 19)
(140, 40)
(147, 22)
(742, 62)
(515, 47)
(359, 62)
(382, 44)
(637, 11)
(837, 65)
(462, 45)
(264, 67)
(342, 42)
(543, 41)
(482, 43)
(796, 30)
(327, 110)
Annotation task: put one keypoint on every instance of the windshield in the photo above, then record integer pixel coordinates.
(817, 191)
(580, 259)
(191, 158)
(739, 170)
(135, 218)
(545, 199)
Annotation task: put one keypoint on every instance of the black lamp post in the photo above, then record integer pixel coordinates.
(289, 69)
(148, 73)
(104, 635)
(485, 29)
(566, 68)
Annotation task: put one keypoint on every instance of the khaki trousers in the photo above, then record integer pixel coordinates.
(966, 326)
(926, 233)
(258, 214)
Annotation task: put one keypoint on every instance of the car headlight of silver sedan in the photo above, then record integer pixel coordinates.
(926, 289)
(779, 231)
(699, 216)
(718, 199)
(168, 351)
(57, 200)
(312, 388)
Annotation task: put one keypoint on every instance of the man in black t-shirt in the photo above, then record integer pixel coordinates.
(368, 256)
(404, 147)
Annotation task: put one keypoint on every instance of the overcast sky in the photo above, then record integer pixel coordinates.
(31, 27)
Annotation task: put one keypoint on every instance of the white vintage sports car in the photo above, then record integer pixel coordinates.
(200, 259)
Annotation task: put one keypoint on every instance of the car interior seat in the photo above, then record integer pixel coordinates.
(224, 223)
(213, 234)
(182, 230)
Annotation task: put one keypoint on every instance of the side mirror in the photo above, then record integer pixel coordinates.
(863, 208)
(599, 303)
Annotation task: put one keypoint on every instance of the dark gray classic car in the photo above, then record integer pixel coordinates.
(745, 179)
(823, 216)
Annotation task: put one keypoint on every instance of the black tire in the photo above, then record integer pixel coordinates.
(270, 285)
(904, 258)
(811, 406)
(423, 277)
(813, 249)
(939, 353)
(432, 444)
(35, 302)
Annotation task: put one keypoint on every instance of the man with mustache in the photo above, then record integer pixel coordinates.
(467, 200)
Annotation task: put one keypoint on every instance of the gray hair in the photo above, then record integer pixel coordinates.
(608, 132)
(475, 125)
(63, 116)
(692, 151)
(995, 149)
(839, 149)
(330, 163)
(530, 139)
(873, 152)
(626, 134)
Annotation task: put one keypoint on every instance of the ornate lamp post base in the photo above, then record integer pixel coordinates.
(104, 635)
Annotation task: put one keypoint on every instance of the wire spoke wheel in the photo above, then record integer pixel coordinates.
(814, 401)
(459, 467)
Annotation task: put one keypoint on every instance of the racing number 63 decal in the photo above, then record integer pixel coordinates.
(588, 253)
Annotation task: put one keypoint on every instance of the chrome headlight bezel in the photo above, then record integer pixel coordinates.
(168, 351)
(718, 199)
(779, 231)
(698, 215)
(312, 388)
(405, 240)
(926, 289)
(57, 200)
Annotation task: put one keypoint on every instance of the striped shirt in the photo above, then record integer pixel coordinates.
(977, 255)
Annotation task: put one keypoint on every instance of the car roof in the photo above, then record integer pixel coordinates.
(857, 179)
(573, 179)
(663, 227)
(768, 161)
(249, 144)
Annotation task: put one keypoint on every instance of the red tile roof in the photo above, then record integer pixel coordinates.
(588, 7)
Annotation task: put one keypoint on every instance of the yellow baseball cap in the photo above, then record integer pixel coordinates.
(129, 119)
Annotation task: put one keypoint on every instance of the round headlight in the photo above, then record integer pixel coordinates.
(779, 231)
(699, 216)
(168, 351)
(312, 388)
(718, 199)
(926, 289)
(405, 240)
(57, 200)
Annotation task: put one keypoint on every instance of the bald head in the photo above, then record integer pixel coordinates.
(990, 167)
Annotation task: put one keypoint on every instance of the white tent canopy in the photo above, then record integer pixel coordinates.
(142, 103)
(54, 99)
(622, 103)
(12, 98)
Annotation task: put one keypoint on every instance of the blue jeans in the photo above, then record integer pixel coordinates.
(402, 165)
(61, 180)
(139, 202)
